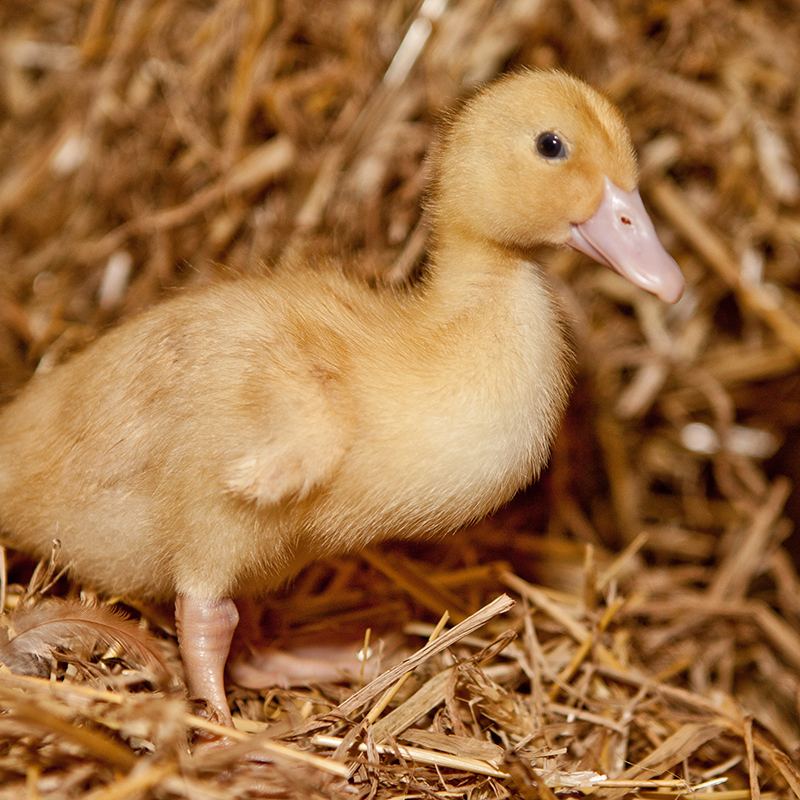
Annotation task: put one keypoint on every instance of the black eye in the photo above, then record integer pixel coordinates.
(549, 145)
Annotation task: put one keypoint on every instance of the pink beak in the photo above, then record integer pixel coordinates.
(620, 235)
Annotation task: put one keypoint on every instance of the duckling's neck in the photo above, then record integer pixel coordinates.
(468, 270)
(502, 322)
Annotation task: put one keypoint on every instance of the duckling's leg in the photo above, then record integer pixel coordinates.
(205, 631)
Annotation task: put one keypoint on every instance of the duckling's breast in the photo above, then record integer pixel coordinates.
(453, 415)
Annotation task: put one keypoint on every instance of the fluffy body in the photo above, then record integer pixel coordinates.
(217, 443)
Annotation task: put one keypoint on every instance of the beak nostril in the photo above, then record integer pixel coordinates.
(625, 220)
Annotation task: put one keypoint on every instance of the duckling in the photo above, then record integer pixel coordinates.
(212, 446)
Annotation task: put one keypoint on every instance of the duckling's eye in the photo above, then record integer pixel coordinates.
(549, 145)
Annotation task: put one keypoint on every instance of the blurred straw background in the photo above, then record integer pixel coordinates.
(146, 145)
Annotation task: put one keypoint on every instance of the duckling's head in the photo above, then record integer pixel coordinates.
(542, 158)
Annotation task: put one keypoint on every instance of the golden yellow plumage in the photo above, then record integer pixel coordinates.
(215, 444)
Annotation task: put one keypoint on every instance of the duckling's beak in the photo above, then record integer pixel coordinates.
(620, 235)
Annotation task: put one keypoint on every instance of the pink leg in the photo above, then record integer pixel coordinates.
(205, 630)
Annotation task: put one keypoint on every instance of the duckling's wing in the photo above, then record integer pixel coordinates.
(287, 464)
(282, 471)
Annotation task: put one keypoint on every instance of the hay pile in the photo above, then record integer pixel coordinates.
(150, 144)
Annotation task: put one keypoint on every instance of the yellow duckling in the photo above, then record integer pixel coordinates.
(214, 445)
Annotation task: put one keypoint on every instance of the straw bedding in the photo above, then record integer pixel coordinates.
(650, 645)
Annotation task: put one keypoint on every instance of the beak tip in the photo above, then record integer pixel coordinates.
(671, 296)
(672, 285)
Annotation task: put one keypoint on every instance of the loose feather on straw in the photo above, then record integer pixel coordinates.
(41, 632)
